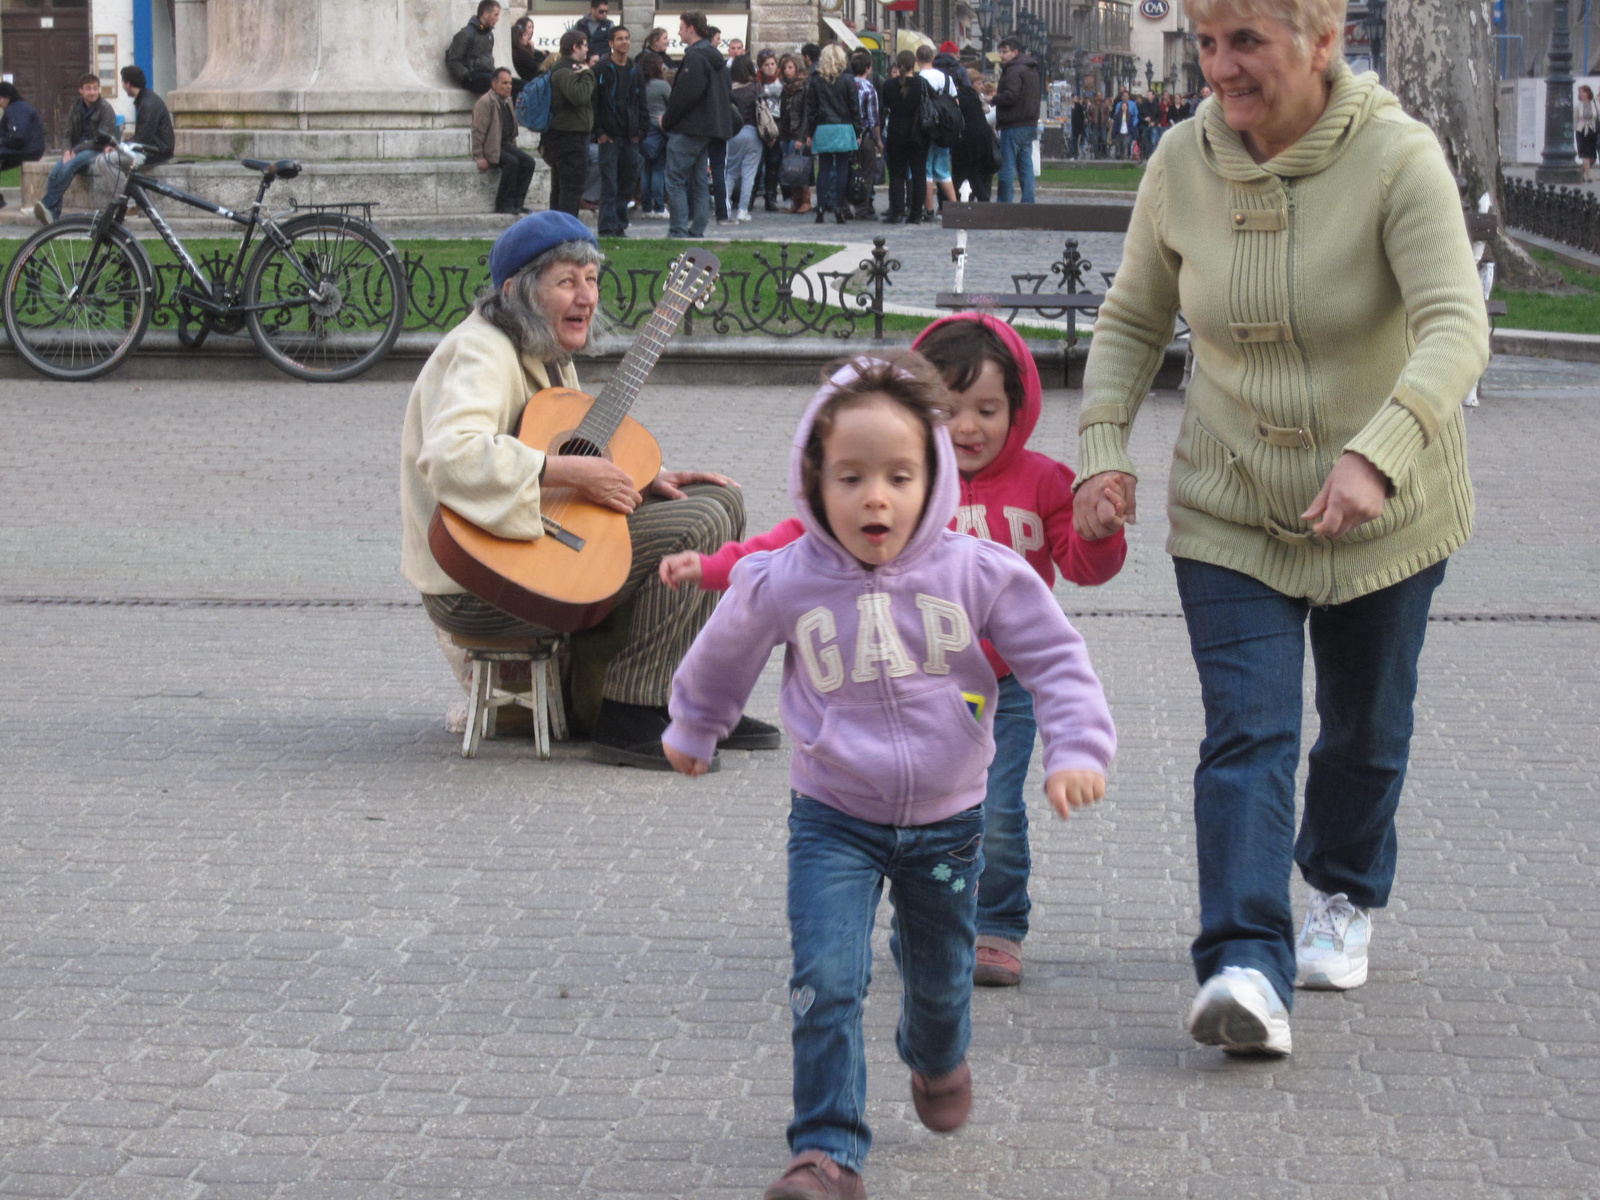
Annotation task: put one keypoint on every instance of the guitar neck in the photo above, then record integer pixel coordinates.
(619, 393)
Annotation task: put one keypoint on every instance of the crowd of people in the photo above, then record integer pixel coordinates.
(1126, 126)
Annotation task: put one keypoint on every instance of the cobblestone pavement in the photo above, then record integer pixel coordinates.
(264, 934)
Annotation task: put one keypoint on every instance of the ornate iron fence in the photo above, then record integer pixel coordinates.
(781, 297)
(1566, 215)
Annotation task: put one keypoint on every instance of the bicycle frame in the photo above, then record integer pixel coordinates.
(137, 190)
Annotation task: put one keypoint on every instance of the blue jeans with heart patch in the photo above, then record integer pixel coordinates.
(837, 868)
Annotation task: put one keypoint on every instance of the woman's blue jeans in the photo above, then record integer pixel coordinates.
(1003, 902)
(837, 867)
(833, 173)
(653, 182)
(1249, 646)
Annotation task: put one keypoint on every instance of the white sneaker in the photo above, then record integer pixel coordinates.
(1332, 951)
(743, 215)
(1239, 1010)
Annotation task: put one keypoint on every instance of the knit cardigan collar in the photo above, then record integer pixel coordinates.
(1352, 100)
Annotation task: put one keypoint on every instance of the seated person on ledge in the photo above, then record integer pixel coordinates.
(459, 448)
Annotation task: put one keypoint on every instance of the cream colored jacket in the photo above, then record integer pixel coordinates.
(1335, 306)
(459, 445)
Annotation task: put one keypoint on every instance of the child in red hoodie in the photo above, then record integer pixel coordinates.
(1021, 499)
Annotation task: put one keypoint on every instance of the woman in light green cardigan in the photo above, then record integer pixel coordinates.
(1312, 234)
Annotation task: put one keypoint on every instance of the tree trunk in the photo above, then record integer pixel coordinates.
(1441, 66)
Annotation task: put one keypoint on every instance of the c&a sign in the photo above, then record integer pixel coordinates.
(1154, 9)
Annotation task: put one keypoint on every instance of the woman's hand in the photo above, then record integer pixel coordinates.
(1352, 495)
(670, 484)
(1104, 504)
(1068, 790)
(598, 480)
(683, 764)
(680, 568)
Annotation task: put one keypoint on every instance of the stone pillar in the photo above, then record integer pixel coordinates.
(784, 25)
(322, 80)
(189, 41)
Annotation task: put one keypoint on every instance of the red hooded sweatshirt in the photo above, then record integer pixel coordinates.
(1023, 499)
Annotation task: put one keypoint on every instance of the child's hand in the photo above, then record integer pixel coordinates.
(684, 764)
(1068, 790)
(1104, 505)
(680, 568)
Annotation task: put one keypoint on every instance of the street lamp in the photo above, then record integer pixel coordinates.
(986, 28)
(1560, 164)
(1377, 26)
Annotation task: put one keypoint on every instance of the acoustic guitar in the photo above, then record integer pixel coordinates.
(568, 579)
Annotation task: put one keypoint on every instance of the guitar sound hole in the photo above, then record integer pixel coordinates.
(580, 445)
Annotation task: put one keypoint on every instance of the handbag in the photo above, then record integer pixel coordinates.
(834, 139)
(653, 145)
(796, 170)
(766, 125)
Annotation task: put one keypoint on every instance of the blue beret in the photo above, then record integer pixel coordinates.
(532, 236)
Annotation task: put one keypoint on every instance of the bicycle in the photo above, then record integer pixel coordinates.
(323, 296)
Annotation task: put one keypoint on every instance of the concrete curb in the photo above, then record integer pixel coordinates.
(728, 361)
(1536, 343)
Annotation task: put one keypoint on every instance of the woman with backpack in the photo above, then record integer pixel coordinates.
(904, 149)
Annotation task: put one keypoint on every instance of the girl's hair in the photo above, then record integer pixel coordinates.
(522, 26)
(655, 33)
(1307, 20)
(652, 65)
(958, 349)
(790, 60)
(907, 62)
(742, 71)
(833, 61)
(516, 311)
(902, 377)
(1585, 89)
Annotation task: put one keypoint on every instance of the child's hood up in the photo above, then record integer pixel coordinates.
(944, 489)
(1027, 415)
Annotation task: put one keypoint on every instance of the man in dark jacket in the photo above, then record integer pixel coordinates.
(152, 123)
(597, 28)
(470, 59)
(1016, 117)
(699, 109)
(91, 128)
(565, 144)
(620, 121)
(21, 131)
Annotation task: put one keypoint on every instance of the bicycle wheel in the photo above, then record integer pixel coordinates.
(330, 304)
(69, 321)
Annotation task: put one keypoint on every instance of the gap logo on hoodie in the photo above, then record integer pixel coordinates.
(1026, 528)
(946, 630)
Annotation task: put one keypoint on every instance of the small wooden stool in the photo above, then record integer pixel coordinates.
(485, 698)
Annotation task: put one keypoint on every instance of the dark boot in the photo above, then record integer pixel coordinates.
(629, 735)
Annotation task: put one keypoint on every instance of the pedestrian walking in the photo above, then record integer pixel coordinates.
(1320, 474)
(745, 149)
(905, 150)
(1586, 127)
(771, 89)
(867, 168)
(792, 126)
(653, 147)
(699, 110)
(621, 117)
(889, 773)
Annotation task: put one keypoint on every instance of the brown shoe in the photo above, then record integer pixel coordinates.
(999, 962)
(943, 1104)
(814, 1176)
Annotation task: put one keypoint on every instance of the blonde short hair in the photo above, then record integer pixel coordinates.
(1307, 19)
(833, 61)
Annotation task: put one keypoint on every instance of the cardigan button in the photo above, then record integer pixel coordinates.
(1238, 218)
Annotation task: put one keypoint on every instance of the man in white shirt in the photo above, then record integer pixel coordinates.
(938, 156)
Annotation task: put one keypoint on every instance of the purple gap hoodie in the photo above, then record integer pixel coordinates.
(887, 695)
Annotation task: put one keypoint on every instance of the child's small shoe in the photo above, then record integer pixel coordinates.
(999, 962)
(814, 1176)
(943, 1104)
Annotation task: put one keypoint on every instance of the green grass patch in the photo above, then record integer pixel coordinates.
(1577, 311)
(11, 177)
(1106, 179)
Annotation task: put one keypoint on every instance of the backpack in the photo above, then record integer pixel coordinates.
(533, 105)
(939, 117)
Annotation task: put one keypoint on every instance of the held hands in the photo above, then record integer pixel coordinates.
(483, 163)
(1068, 790)
(598, 480)
(1352, 495)
(1104, 504)
(683, 764)
(680, 568)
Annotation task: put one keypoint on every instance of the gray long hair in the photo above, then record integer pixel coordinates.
(515, 311)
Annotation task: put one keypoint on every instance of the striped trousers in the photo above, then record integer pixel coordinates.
(664, 622)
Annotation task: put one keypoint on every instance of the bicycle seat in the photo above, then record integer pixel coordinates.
(284, 168)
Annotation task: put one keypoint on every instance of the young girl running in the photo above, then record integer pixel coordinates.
(1019, 498)
(889, 700)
